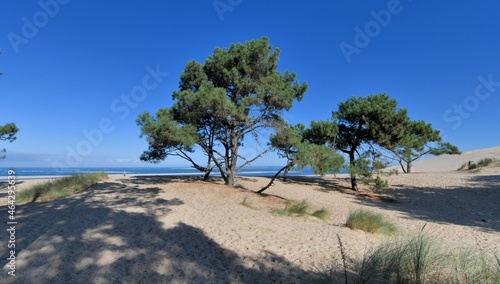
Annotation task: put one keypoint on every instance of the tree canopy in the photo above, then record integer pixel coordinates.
(236, 92)
(366, 121)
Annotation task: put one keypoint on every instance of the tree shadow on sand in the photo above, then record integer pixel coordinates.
(92, 238)
(4, 185)
(474, 205)
(323, 184)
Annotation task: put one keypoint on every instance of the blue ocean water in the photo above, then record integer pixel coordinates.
(32, 173)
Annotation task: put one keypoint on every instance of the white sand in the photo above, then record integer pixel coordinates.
(180, 230)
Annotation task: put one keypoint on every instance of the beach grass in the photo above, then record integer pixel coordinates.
(248, 203)
(301, 208)
(60, 188)
(486, 162)
(416, 258)
(413, 259)
(322, 214)
(371, 222)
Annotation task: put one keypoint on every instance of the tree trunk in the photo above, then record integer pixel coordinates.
(209, 167)
(352, 161)
(408, 167)
(285, 174)
(273, 178)
(232, 158)
(230, 180)
(207, 174)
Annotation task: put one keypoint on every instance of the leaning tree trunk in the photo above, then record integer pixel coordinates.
(285, 168)
(402, 167)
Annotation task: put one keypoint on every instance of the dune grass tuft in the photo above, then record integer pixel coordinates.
(301, 208)
(60, 188)
(370, 222)
(296, 208)
(486, 162)
(322, 214)
(247, 203)
(416, 258)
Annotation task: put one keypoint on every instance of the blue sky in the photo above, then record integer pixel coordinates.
(69, 66)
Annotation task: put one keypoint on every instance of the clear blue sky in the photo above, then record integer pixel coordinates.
(66, 65)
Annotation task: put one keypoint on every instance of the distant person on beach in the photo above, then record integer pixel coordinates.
(124, 173)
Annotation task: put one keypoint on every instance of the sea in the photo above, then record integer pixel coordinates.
(28, 173)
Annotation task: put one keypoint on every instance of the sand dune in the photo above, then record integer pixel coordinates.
(453, 162)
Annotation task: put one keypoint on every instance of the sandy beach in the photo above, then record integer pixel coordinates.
(163, 229)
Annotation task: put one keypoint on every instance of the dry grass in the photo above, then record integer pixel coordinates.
(60, 188)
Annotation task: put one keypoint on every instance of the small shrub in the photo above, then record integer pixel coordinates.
(370, 222)
(473, 166)
(380, 184)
